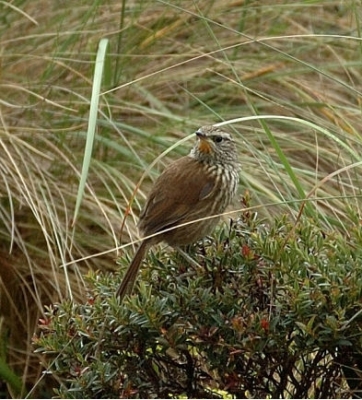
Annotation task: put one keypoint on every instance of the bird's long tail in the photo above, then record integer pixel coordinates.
(130, 277)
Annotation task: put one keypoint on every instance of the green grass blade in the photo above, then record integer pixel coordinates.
(92, 122)
(10, 377)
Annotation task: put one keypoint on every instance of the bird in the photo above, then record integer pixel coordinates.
(198, 185)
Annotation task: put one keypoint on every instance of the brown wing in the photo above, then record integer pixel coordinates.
(179, 188)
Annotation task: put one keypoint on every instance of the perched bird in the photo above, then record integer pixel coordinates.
(201, 184)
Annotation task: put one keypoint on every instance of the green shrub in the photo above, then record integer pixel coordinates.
(273, 310)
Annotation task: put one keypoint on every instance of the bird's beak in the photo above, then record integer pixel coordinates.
(204, 144)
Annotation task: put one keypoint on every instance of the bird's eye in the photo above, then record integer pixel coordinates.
(217, 139)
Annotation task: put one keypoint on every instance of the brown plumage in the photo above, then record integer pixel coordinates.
(198, 185)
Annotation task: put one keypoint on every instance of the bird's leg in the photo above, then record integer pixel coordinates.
(187, 257)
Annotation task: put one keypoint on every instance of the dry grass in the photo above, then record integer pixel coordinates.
(172, 66)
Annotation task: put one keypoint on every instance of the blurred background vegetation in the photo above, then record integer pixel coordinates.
(171, 66)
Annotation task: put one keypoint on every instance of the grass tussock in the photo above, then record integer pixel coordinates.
(170, 67)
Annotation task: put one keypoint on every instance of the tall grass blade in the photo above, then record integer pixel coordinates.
(92, 122)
